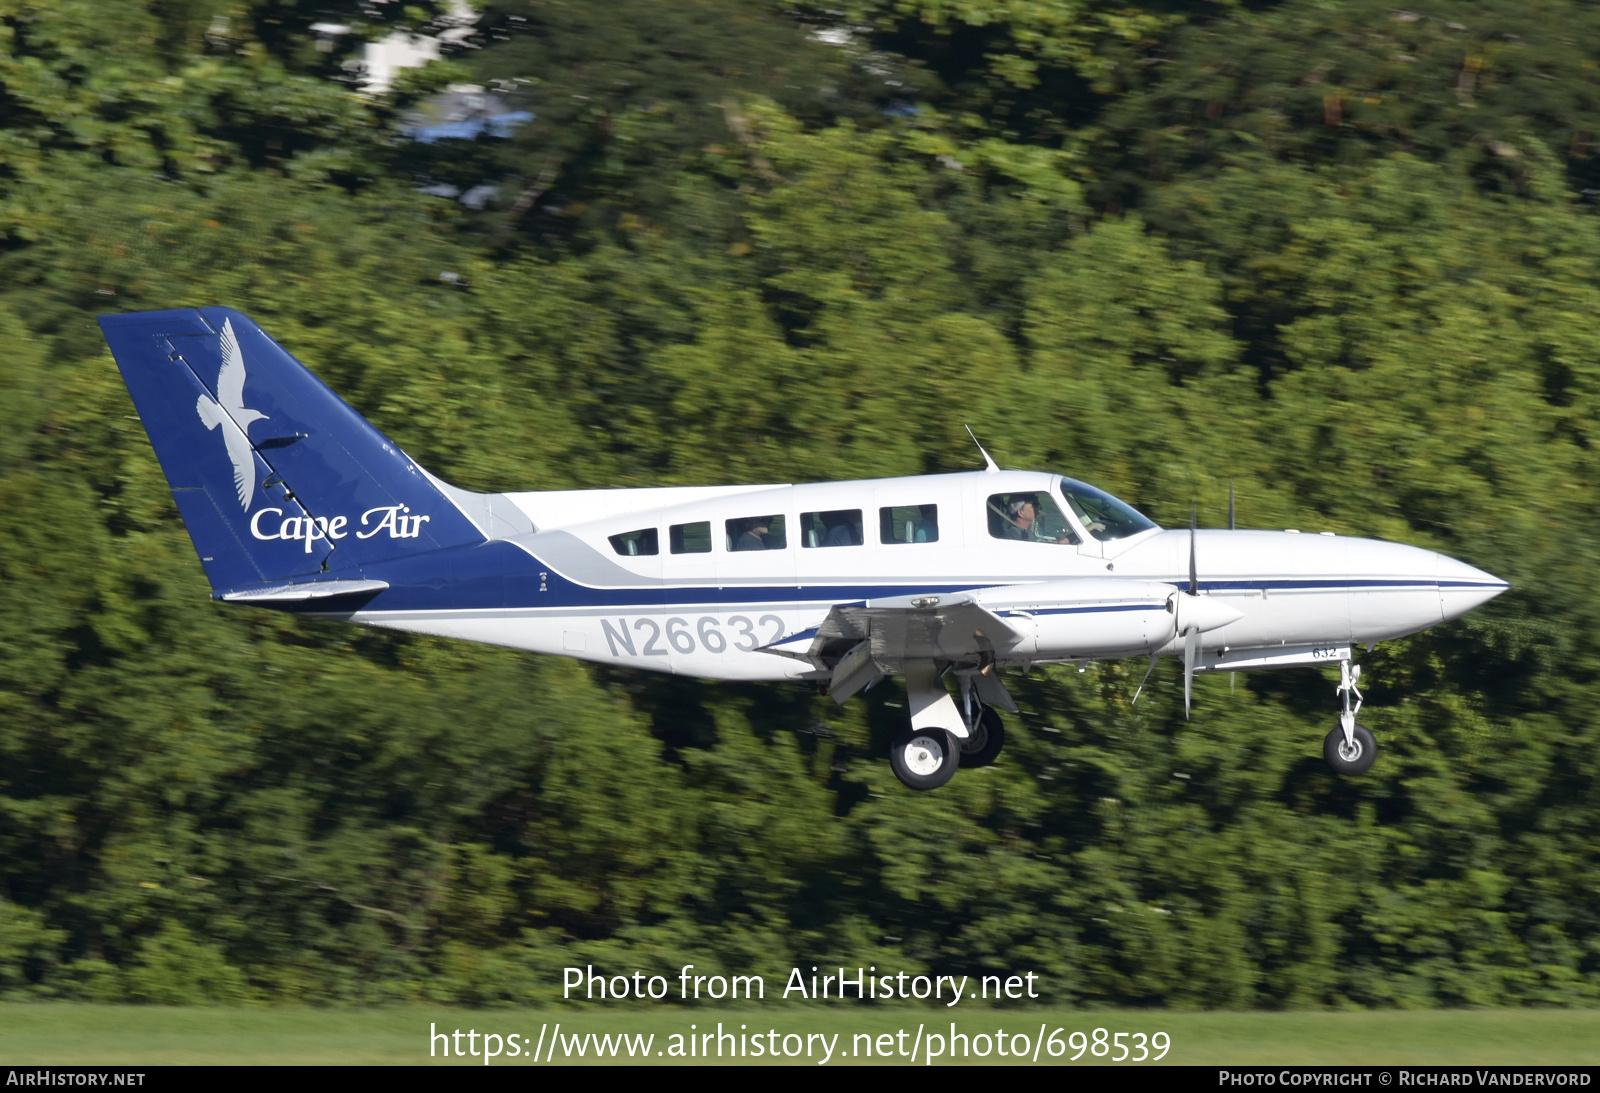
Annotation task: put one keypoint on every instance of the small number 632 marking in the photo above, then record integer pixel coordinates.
(685, 635)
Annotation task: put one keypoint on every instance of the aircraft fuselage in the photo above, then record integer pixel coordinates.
(722, 613)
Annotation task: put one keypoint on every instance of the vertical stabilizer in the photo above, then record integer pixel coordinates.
(276, 477)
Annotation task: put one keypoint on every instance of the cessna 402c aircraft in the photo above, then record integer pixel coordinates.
(295, 502)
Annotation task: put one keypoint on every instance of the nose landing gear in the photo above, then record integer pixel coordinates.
(1350, 748)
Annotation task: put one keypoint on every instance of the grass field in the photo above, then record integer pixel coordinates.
(63, 1034)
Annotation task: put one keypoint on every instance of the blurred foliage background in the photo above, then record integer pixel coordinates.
(1339, 254)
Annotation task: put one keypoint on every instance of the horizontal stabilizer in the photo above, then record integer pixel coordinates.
(304, 590)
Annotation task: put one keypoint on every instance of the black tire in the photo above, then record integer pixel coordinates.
(1338, 757)
(924, 758)
(988, 737)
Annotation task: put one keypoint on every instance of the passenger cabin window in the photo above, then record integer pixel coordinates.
(1030, 517)
(841, 527)
(756, 533)
(909, 524)
(1102, 515)
(690, 538)
(634, 543)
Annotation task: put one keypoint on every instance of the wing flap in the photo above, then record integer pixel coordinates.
(954, 628)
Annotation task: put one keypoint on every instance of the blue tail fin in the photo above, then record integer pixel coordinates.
(276, 477)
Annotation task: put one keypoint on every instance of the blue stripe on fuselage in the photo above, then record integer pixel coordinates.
(499, 575)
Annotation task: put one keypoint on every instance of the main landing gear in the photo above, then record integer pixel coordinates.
(1350, 747)
(924, 758)
(924, 755)
(986, 736)
(986, 733)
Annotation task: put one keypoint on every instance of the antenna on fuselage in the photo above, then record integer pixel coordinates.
(989, 464)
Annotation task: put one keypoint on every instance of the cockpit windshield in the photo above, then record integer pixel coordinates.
(1103, 516)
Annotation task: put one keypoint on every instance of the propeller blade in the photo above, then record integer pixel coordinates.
(1191, 645)
(1230, 504)
(1143, 681)
(1194, 577)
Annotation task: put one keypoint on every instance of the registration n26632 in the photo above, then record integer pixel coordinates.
(651, 636)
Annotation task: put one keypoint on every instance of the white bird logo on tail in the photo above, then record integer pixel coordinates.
(230, 389)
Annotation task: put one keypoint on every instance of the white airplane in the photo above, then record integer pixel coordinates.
(299, 504)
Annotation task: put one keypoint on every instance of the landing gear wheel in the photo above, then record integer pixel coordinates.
(1354, 758)
(988, 736)
(924, 758)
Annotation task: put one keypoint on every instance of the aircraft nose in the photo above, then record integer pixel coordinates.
(1463, 587)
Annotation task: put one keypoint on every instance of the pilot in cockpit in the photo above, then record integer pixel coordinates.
(1023, 523)
(1021, 515)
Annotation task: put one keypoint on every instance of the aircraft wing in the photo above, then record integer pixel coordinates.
(858, 643)
(944, 627)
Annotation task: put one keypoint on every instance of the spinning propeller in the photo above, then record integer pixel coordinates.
(1194, 614)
